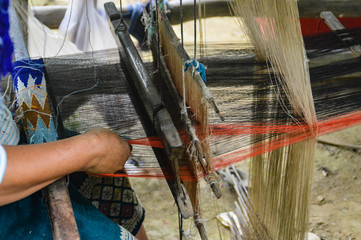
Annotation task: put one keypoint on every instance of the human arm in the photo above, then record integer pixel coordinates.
(32, 167)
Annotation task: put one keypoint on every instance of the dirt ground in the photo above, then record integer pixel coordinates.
(336, 198)
(335, 211)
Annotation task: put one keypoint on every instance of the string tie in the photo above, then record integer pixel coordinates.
(196, 66)
(163, 5)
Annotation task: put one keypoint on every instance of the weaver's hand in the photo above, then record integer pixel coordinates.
(111, 151)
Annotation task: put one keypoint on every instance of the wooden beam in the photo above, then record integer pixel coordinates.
(214, 8)
(341, 32)
(341, 8)
(151, 101)
(51, 16)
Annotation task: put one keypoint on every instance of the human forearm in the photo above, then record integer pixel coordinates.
(32, 167)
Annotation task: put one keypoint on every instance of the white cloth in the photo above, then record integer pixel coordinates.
(9, 135)
(3, 161)
(84, 26)
(42, 41)
(9, 132)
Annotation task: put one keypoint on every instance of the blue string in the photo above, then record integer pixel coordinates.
(6, 46)
(162, 5)
(201, 69)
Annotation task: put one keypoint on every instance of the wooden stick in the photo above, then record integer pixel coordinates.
(334, 24)
(198, 221)
(340, 145)
(61, 211)
(51, 16)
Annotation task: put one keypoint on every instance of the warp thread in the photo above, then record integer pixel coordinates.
(6, 46)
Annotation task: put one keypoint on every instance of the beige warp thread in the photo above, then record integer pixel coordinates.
(281, 180)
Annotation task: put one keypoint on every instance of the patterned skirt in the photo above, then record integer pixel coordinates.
(28, 219)
(114, 197)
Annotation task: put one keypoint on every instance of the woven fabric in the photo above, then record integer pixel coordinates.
(235, 85)
(114, 197)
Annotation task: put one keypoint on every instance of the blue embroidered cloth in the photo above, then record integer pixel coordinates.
(32, 101)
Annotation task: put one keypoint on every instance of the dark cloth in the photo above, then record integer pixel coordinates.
(28, 219)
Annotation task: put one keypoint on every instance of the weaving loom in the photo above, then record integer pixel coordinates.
(252, 105)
